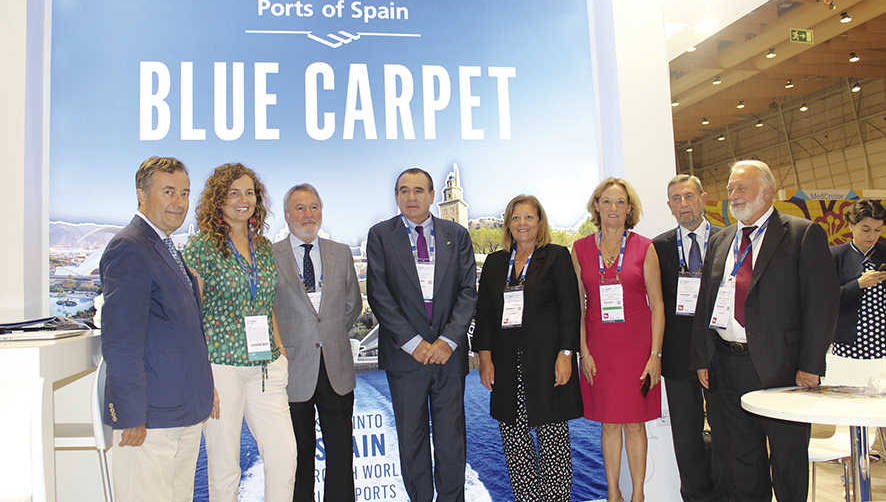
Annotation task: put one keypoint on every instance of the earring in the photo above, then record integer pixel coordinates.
(252, 220)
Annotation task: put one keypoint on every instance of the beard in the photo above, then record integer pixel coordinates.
(750, 208)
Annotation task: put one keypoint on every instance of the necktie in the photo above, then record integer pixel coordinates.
(308, 269)
(694, 255)
(178, 259)
(421, 250)
(743, 278)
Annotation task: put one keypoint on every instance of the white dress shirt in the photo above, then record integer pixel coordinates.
(701, 235)
(299, 253)
(736, 332)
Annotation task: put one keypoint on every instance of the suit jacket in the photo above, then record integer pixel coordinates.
(304, 331)
(395, 297)
(152, 335)
(849, 268)
(551, 314)
(678, 328)
(791, 307)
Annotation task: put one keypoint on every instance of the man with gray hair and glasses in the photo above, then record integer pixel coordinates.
(318, 299)
(766, 313)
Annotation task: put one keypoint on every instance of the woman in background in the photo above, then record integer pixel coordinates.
(622, 332)
(527, 333)
(859, 351)
(237, 277)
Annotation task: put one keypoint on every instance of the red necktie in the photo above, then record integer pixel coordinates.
(743, 278)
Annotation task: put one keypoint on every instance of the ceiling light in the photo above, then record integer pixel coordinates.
(855, 87)
(717, 80)
(705, 121)
(721, 138)
(771, 54)
(803, 107)
(689, 149)
(789, 84)
(675, 103)
(845, 17)
(691, 49)
(740, 104)
(759, 123)
(853, 57)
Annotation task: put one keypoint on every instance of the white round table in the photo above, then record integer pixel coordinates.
(832, 406)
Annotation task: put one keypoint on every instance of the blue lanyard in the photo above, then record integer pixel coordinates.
(522, 278)
(621, 253)
(735, 245)
(253, 277)
(412, 242)
(707, 237)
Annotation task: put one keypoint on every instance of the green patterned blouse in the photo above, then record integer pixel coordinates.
(226, 298)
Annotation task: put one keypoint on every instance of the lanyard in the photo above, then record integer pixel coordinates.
(707, 237)
(735, 245)
(621, 253)
(413, 242)
(253, 277)
(522, 278)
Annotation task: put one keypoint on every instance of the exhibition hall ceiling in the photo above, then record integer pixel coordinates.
(736, 56)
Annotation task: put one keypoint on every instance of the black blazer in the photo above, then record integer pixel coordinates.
(551, 316)
(849, 268)
(792, 303)
(678, 328)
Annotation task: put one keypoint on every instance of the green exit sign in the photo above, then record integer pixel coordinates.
(799, 36)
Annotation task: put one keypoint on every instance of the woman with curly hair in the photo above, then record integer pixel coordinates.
(235, 268)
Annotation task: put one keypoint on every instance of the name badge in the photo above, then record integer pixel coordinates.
(724, 304)
(315, 297)
(612, 305)
(258, 340)
(426, 279)
(512, 313)
(687, 294)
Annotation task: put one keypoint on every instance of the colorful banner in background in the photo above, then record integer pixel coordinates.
(830, 214)
(493, 98)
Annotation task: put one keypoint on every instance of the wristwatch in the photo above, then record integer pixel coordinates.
(566, 352)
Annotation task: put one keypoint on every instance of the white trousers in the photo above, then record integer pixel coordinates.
(267, 415)
(162, 468)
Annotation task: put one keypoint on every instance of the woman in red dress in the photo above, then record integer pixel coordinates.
(622, 331)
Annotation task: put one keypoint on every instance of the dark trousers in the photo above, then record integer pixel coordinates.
(440, 389)
(702, 477)
(788, 456)
(335, 413)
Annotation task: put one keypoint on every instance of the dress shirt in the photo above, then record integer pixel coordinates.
(736, 332)
(427, 228)
(299, 253)
(701, 234)
(161, 233)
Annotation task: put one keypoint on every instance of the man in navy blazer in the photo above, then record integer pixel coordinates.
(420, 283)
(159, 387)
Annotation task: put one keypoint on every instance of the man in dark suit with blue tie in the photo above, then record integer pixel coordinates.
(159, 387)
(420, 282)
(681, 252)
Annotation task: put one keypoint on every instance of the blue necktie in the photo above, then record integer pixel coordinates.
(694, 255)
(178, 259)
(308, 266)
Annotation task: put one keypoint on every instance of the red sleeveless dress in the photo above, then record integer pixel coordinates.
(621, 349)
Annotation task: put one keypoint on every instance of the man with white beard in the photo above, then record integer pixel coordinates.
(766, 313)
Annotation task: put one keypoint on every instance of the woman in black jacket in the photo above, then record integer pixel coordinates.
(859, 351)
(527, 336)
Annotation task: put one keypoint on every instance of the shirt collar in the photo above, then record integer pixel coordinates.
(425, 225)
(700, 232)
(296, 242)
(760, 221)
(161, 233)
(864, 255)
